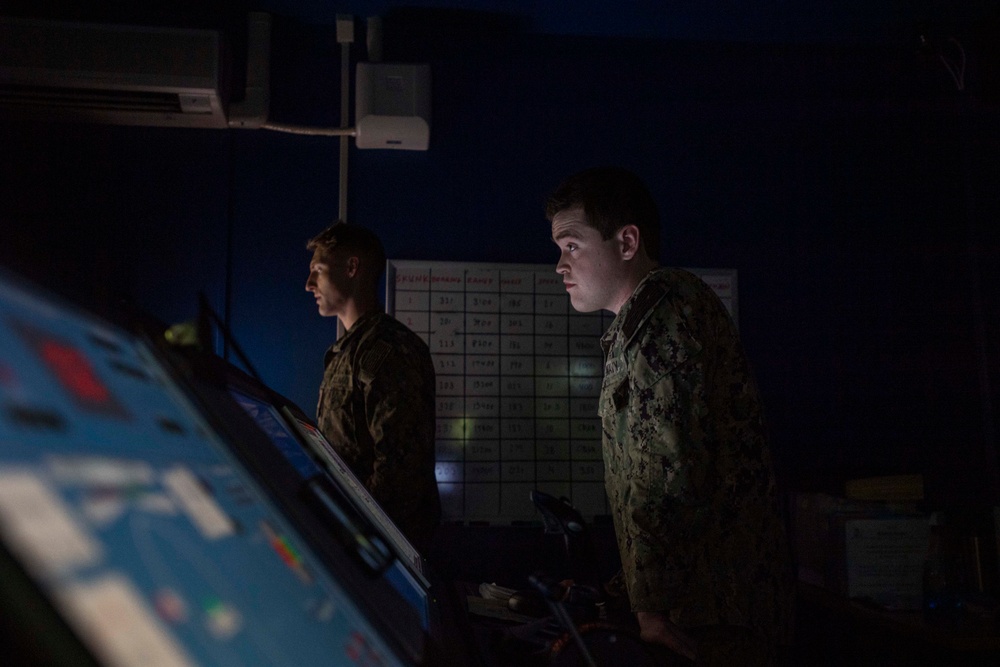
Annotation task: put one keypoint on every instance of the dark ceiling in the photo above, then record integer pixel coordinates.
(764, 21)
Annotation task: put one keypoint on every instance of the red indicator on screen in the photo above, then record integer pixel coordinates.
(289, 556)
(7, 376)
(73, 369)
(74, 372)
(285, 551)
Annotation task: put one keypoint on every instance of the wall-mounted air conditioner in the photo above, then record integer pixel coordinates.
(128, 75)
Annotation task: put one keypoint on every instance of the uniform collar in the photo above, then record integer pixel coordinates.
(360, 325)
(636, 310)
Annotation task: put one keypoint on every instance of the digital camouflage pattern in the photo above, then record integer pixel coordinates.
(376, 407)
(687, 466)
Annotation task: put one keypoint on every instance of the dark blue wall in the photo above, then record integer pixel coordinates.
(851, 184)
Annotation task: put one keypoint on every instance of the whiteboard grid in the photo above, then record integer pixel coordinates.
(518, 378)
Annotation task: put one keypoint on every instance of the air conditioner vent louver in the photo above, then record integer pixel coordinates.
(83, 99)
(115, 74)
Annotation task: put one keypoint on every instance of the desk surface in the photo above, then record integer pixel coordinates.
(969, 635)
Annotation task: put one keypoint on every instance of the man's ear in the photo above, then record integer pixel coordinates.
(628, 241)
(352, 266)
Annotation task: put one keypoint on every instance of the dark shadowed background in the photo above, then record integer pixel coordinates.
(824, 150)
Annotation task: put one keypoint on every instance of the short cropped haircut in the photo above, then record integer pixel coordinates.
(611, 197)
(353, 239)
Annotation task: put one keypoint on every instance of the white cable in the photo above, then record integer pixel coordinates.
(314, 131)
(957, 74)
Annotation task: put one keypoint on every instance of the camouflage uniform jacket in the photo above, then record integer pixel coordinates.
(687, 467)
(376, 407)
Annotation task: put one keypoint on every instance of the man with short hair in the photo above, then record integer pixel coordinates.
(688, 472)
(376, 402)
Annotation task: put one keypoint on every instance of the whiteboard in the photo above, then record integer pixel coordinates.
(518, 379)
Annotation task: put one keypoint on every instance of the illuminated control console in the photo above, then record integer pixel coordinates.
(134, 530)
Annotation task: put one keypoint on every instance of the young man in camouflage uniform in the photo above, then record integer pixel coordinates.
(376, 402)
(688, 472)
